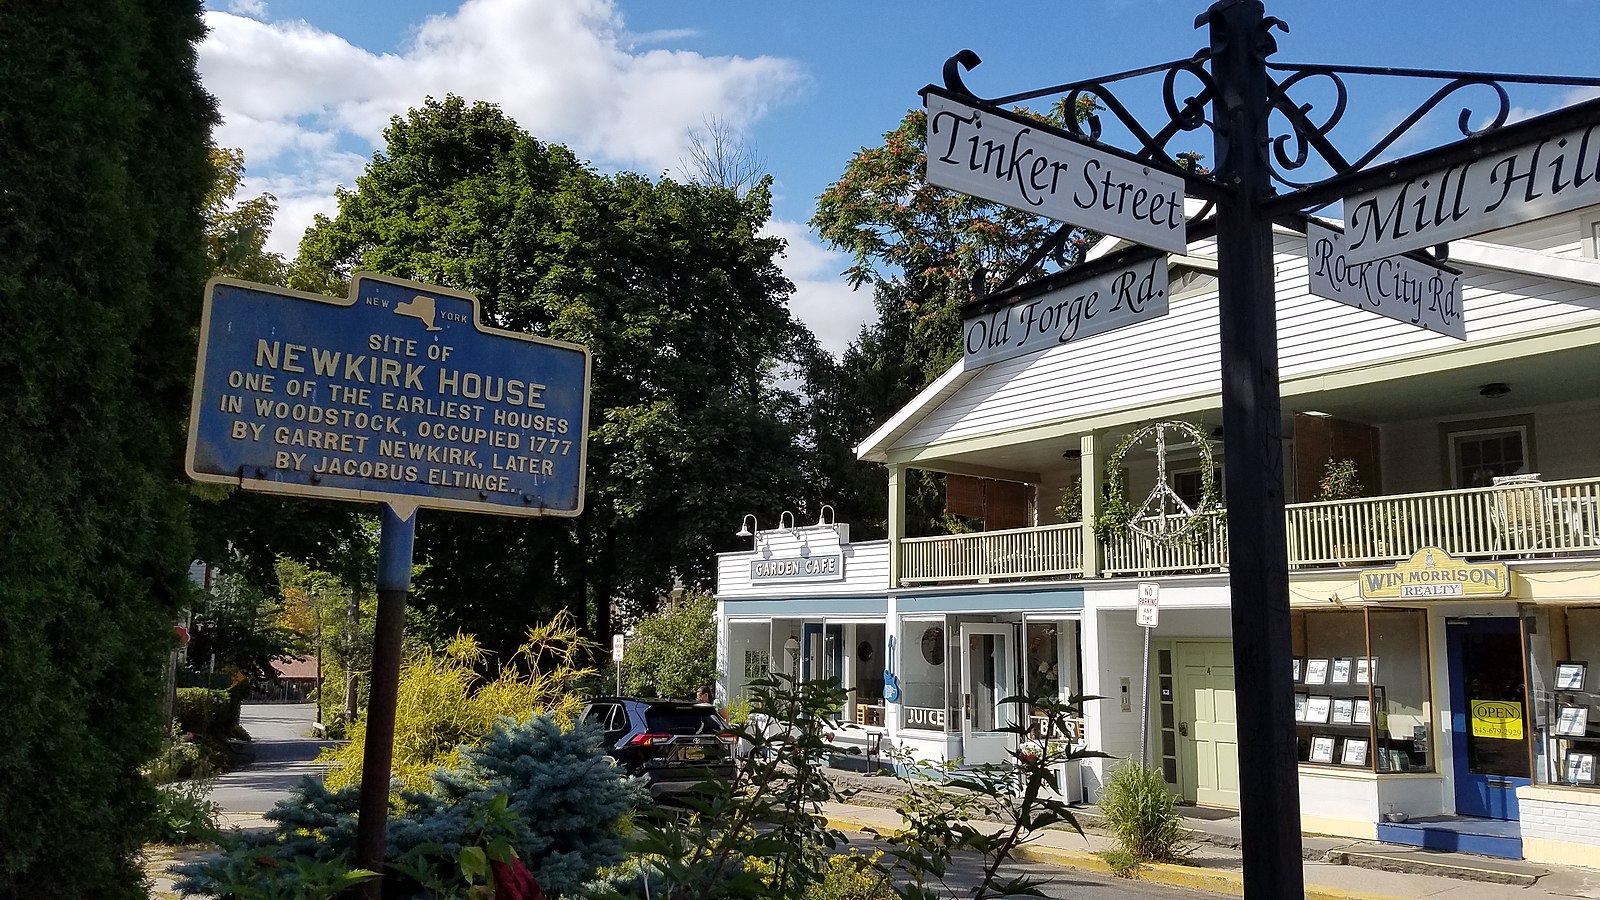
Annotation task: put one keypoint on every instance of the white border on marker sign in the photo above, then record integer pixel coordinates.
(616, 648)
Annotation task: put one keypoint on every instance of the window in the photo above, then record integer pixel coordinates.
(1361, 689)
(1564, 672)
(1479, 457)
(1190, 486)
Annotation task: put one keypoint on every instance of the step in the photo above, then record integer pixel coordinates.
(1456, 834)
(1442, 864)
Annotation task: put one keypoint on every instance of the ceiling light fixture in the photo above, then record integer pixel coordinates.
(1494, 389)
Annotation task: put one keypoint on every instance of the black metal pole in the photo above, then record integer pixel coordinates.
(395, 541)
(1269, 792)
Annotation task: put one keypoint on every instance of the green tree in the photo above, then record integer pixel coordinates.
(682, 304)
(104, 173)
(673, 651)
(237, 231)
(937, 243)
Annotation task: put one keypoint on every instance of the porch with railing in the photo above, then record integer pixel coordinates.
(1528, 519)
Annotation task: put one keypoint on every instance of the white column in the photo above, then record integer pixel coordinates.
(1091, 471)
(897, 520)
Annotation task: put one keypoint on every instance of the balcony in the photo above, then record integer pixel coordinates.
(1518, 521)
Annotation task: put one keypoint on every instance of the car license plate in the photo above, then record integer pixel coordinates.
(694, 753)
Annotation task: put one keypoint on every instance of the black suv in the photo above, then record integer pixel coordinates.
(672, 744)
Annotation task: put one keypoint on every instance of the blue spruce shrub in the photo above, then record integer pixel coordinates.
(564, 798)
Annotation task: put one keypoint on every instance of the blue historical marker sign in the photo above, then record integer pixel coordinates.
(395, 394)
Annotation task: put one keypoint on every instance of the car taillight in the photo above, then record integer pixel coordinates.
(647, 740)
(729, 738)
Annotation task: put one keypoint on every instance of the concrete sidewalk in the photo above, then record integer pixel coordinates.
(1219, 869)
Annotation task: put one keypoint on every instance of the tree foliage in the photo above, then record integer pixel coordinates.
(103, 171)
(682, 304)
(673, 651)
(937, 243)
(237, 231)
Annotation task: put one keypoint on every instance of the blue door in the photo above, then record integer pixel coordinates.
(1488, 719)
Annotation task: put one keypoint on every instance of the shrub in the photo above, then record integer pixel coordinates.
(206, 712)
(181, 759)
(185, 814)
(444, 703)
(1141, 814)
(543, 794)
(673, 651)
(851, 876)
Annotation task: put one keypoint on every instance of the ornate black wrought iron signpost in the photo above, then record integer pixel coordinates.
(1498, 175)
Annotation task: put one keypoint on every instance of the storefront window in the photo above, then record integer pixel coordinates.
(867, 698)
(1050, 667)
(1361, 689)
(1564, 649)
(920, 664)
(1398, 671)
(749, 656)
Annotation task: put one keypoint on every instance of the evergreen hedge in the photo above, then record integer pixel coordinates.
(103, 164)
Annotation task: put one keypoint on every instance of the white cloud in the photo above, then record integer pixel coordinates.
(822, 299)
(308, 106)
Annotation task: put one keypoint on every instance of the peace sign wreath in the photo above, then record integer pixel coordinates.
(1163, 517)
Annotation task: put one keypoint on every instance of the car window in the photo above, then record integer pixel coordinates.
(681, 719)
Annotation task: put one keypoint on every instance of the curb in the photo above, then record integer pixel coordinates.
(1169, 874)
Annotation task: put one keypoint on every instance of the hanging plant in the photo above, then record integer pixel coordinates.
(1119, 514)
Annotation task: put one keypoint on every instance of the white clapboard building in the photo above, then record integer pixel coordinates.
(1445, 610)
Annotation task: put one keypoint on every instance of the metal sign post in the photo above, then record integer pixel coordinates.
(1149, 614)
(396, 538)
(1498, 175)
(396, 394)
(616, 657)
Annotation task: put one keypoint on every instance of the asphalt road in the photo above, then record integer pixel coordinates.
(283, 749)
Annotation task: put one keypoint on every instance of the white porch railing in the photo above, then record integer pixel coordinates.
(1203, 549)
(1511, 521)
(1048, 551)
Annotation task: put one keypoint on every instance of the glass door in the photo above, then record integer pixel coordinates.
(988, 675)
(1488, 717)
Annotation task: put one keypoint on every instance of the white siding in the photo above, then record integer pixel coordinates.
(1177, 356)
(866, 570)
(1563, 443)
(1562, 235)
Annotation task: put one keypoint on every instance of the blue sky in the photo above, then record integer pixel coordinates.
(306, 86)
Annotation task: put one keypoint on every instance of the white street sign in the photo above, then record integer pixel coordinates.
(1402, 288)
(1552, 175)
(1115, 299)
(1003, 159)
(616, 648)
(1149, 604)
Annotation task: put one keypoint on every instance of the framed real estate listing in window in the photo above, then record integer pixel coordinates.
(1340, 672)
(1300, 707)
(1316, 671)
(1321, 749)
(1573, 721)
(1570, 675)
(1580, 768)
(1299, 666)
(1318, 708)
(1366, 667)
(1343, 711)
(1361, 711)
(1353, 752)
